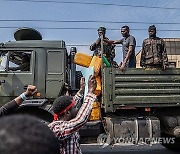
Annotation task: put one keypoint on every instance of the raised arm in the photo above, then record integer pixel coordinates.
(112, 41)
(80, 93)
(95, 44)
(65, 128)
(14, 104)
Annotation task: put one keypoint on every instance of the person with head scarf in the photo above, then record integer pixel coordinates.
(70, 116)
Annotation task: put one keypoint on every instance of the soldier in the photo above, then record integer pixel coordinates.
(24, 64)
(128, 47)
(153, 53)
(109, 51)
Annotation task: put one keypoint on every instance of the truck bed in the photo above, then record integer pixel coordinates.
(140, 88)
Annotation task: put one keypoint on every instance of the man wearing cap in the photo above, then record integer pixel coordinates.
(153, 53)
(128, 47)
(108, 52)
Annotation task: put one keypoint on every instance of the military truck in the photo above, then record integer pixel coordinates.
(31, 60)
(138, 105)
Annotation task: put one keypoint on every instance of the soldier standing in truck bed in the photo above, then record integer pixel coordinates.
(153, 53)
(128, 47)
(109, 51)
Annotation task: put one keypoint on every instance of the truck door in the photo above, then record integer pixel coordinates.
(16, 72)
(55, 78)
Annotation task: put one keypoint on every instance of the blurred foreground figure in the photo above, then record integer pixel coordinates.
(23, 134)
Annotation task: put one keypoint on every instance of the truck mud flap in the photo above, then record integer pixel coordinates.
(133, 130)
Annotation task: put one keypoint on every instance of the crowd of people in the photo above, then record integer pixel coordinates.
(26, 134)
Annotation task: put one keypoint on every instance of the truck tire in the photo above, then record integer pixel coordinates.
(42, 115)
(175, 145)
(78, 79)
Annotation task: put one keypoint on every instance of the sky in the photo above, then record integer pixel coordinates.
(48, 16)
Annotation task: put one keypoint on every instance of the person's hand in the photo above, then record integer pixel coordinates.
(30, 91)
(98, 41)
(66, 86)
(105, 40)
(164, 67)
(120, 64)
(66, 89)
(122, 67)
(92, 84)
(113, 46)
(82, 84)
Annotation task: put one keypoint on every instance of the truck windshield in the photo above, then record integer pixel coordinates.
(3, 61)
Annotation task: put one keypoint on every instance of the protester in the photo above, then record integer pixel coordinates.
(68, 120)
(14, 104)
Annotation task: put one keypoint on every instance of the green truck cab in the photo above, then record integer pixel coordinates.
(48, 63)
(137, 104)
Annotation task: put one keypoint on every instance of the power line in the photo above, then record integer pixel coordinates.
(86, 21)
(86, 45)
(92, 3)
(82, 28)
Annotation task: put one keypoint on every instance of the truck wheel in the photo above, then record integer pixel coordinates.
(174, 143)
(78, 79)
(41, 114)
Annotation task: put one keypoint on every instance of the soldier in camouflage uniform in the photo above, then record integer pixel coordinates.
(109, 51)
(153, 53)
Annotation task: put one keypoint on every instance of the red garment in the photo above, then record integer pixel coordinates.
(63, 111)
(67, 131)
